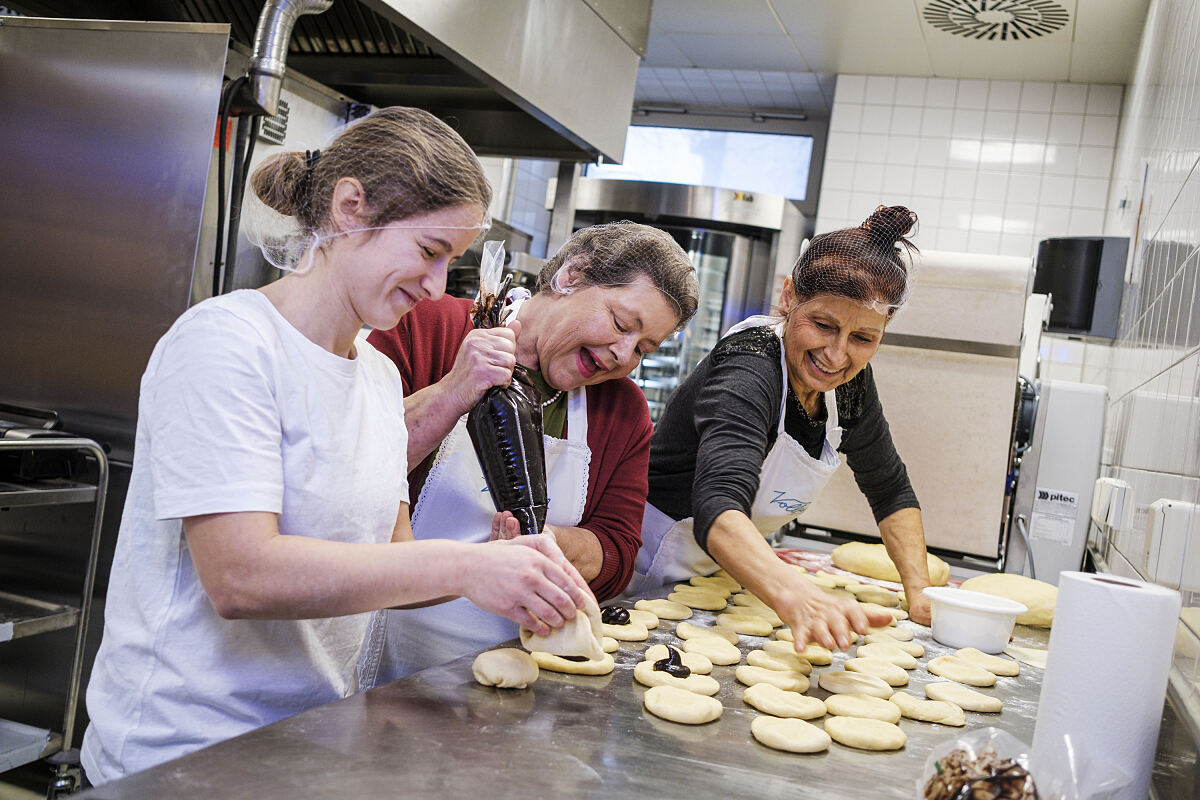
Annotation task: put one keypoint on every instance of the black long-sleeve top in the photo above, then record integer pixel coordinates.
(719, 424)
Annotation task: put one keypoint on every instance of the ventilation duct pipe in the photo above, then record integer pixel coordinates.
(270, 49)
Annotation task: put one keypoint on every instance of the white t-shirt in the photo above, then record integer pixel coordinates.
(238, 412)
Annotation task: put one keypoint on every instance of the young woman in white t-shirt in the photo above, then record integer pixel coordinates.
(267, 508)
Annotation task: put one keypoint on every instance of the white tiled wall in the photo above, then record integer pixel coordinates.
(989, 166)
(524, 204)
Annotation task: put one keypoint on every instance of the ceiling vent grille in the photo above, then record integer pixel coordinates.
(996, 20)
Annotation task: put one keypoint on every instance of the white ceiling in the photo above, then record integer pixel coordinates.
(781, 53)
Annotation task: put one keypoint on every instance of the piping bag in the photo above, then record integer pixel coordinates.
(505, 426)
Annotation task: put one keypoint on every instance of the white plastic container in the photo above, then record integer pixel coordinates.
(962, 618)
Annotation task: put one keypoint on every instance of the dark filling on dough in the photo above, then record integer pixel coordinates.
(614, 615)
(672, 664)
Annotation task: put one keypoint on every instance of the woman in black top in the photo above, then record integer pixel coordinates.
(751, 436)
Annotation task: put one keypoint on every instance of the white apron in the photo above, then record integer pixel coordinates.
(454, 504)
(788, 482)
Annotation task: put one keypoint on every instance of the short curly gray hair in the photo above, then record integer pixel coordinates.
(617, 253)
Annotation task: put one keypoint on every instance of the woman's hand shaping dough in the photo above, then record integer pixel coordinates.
(815, 616)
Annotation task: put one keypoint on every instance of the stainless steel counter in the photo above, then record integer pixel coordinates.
(439, 734)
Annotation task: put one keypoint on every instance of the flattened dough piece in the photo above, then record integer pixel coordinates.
(688, 588)
(897, 613)
(870, 593)
(814, 654)
(1038, 596)
(506, 668)
(862, 705)
(609, 644)
(888, 652)
(993, 664)
(788, 681)
(787, 662)
(777, 702)
(697, 663)
(938, 711)
(645, 674)
(633, 632)
(747, 624)
(791, 735)
(686, 630)
(758, 612)
(664, 609)
(892, 632)
(955, 669)
(698, 598)
(842, 682)
(914, 649)
(865, 734)
(872, 561)
(718, 651)
(647, 618)
(579, 637)
(595, 666)
(680, 705)
(714, 581)
(880, 668)
(1032, 656)
(785, 635)
(961, 696)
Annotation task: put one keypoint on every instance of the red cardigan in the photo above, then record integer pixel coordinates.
(424, 346)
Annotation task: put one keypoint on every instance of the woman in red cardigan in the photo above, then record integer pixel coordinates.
(611, 295)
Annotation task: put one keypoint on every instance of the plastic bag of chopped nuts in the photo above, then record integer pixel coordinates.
(987, 764)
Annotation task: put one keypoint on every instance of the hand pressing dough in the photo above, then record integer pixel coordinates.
(914, 649)
(870, 593)
(595, 666)
(955, 669)
(888, 652)
(938, 711)
(609, 644)
(664, 609)
(680, 705)
(698, 598)
(865, 734)
(824, 581)
(632, 632)
(862, 705)
(749, 625)
(961, 696)
(788, 681)
(716, 581)
(842, 682)
(872, 561)
(698, 664)
(647, 618)
(718, 651)
(686, 630)
(841, 594)
(880, 668)
(645, 674)
(817, 655)
(791, 735)
(506, 668)
(770, 699)
(993, 664)
(1038, 596)
(580, 636)
(787, 662)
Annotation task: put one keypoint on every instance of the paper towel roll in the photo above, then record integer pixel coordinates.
(1104, 685)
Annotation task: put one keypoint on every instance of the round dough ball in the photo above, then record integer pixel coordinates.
(865, 734)
(791, 735)
(593, 666)
(664, 609)
(961, 696)
(873, 561)
(633, 632)
(993, 664)
(788, 681)
(938, 711)
(888, 652)
(609, 644)
(506, 668)
(1038, 596)
(718, 651)
(778, 702)
(895, 676)
(914, 649)
(786, 662)
(842, 682)
(956, 669)
(680, 705)
(698, 664)
(686, 630)
(647, 618)
(862, 705)
(645, 674)
(749, 625)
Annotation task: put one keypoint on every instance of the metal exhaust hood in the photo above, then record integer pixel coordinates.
(533, 78)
